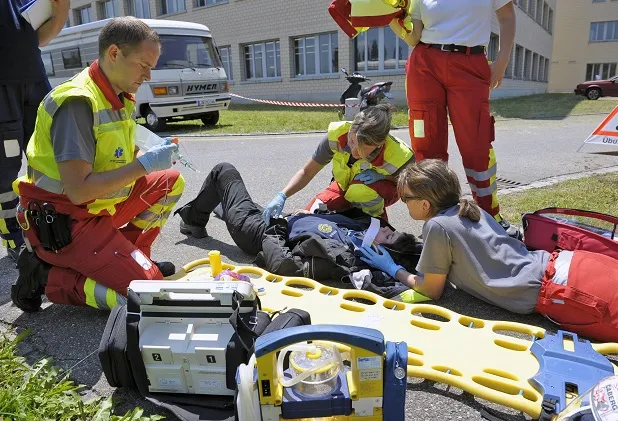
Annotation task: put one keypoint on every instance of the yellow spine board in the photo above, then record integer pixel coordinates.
(475, 355)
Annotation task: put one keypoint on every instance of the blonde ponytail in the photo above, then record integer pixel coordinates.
(469, 209)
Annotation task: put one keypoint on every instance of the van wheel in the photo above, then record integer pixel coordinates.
(210, 119)
(593, 93)
(153, 122)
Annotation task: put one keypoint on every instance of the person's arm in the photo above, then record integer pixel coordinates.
(430, 284)
(302, 177)
(53, 26)
(506, 19)
(411, 38)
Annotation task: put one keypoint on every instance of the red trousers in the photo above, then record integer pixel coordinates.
(439, 80)
(334, 197)
(588, 303)
(111, 250)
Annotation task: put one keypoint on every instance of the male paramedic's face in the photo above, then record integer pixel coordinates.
(387, 236)
(134, 68)
(359, 151)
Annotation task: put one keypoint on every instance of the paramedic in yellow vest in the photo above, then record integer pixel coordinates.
(90, 204)
(366, 160)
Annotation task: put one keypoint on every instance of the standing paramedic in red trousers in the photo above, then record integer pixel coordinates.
(448, 69)
(90, 205)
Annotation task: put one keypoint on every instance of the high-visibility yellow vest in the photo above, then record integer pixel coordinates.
(114, 132)
(394, 155)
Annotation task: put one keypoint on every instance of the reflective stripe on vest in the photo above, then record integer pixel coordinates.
(395, 155)
(113, 130)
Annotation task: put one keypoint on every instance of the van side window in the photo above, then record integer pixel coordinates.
(72, 58)
(48, 63)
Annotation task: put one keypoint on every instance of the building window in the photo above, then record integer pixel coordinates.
(83, 15)
(541, 69)
(535, 67)
(226, 58)
(71, 58)
(546, 74)
(48, 63)
(262, 61)
(539, 12)
(550, 21)
(532, 9)
(109, 9)
(67, 24)
(545, 15)
(168, 7)
(492, 48)
(527, 64)
(380, 49)
(316, 54)
(523, 5)
(604, 31)
(519, 59)
(600, 71)
(202, 3)
(139, 8)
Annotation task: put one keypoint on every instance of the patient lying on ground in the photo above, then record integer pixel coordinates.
(317, 246)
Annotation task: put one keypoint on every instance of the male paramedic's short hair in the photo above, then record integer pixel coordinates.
(127, 33)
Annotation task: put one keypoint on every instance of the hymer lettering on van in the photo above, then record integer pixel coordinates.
(612, 140)
(202, 87)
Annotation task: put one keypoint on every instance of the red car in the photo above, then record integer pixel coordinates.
(595, 89)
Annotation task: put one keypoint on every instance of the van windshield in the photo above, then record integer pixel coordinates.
(186, 51)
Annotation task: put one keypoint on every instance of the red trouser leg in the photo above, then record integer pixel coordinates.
(588, 303)
(468, 105)
(333, 197)
(426, 95)
(101, 252)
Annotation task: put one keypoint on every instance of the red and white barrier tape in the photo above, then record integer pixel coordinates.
(287, 103)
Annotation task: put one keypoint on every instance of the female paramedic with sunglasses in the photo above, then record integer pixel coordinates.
(448, 69)
(366, 160)
(465, 246)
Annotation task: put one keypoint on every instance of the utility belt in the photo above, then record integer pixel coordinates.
(52, 229)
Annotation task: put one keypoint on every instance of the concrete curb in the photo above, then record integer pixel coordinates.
(556, 179)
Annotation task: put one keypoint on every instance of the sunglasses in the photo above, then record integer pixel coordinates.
(406, 198)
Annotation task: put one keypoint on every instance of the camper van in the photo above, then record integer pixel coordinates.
(188, 83)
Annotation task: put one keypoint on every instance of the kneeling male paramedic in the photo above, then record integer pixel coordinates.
(90, 205)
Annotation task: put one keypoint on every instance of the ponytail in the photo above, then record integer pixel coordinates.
(469, 209)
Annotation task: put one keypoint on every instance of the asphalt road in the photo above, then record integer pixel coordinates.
(527, 151)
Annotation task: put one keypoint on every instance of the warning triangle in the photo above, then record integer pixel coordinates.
(607, 132)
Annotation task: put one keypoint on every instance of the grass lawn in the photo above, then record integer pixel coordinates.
(262, 118)
(598, 193)
(42, 392)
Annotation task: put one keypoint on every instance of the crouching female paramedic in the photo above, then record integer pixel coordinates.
(366, 159)
(465, 246)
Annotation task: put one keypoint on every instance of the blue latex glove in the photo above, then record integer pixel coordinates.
(159, 158)
(369, 176)
(382, 260)
(275, 207)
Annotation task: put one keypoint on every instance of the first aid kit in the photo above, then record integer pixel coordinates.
(568, 229)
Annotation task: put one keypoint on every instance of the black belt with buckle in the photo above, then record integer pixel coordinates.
(452, 48)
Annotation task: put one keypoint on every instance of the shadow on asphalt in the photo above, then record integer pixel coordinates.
(229, 252)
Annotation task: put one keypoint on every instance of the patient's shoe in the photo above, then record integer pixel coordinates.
(166, 268)
(30, 285)
(193, 230)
